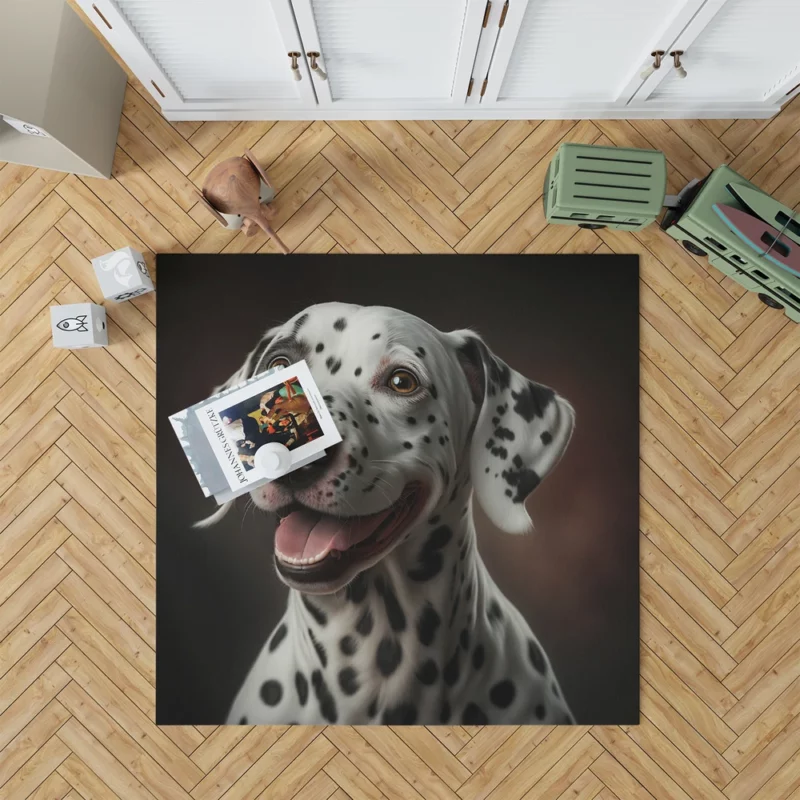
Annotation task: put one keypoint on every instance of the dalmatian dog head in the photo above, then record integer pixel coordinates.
(422, 415)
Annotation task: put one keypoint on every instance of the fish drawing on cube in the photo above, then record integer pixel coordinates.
(122, 274)
(78, 325)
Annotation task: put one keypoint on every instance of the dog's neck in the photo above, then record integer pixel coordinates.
(437, 568)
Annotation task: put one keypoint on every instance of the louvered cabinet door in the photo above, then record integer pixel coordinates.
(736, 51)
(557, 54)
(214, 55)
(390, 54)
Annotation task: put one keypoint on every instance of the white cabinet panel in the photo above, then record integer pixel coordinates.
(385, 52)
(581, 51)
(217, 54)
(746, 51)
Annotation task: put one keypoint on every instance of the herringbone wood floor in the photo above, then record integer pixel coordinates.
(720, 505)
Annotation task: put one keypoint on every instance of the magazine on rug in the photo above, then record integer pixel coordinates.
(222, 435)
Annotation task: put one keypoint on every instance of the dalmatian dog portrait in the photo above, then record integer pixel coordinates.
(392, 616)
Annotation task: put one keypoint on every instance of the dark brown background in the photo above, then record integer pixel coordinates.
(567, 321)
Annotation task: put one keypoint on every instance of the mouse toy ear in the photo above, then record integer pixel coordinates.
(521, 431)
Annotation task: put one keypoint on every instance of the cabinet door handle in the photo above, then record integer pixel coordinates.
(676, 59)
(313, 56)
(295, 67)
(648, 71)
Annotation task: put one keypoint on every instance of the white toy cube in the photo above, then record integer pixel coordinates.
(122, 274)
(78, 325)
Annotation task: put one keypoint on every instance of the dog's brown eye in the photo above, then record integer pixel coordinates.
(279, 361)
(403, 382)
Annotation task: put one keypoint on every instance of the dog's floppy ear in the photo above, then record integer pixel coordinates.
(522, 429)
(251, 364)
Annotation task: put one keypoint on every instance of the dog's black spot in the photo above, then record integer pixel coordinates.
(495, 420)
(328, 398)
(454, 609)
(271, 692)
(376, 336)
(364, 624)
(428, 672)
(421, 351)
(342, 476)
(348, 645)
(427, 624)
(441, 440)
(504, 433)
(431, 418)
(356, 590)
(327, 705)
(536, 657)
(320, 347)
(532, 400)
(509, 492)
(340, 324)
(359, 469)
(333, 364)
(451, 670)
(301, 684)
(429, 559)
(394, 611)
(323, 656)
(347, 488)
(494, 614)
(434, 393)
(469, 591)
(501, 409)
(522, 479)
(502, 693)
(474, 715)
(444, 714)
(546, 437)
(336, 482)
(372, 419)
(487, 469)
(426, 439)
(348, 681)
(328, 494)
(342, 416)
(243, 721)
(373, 708)
(489, 444)
(367, 402)
(478, 655)
(403, 714)
(365, 452)
(539, 711)
(389, 655)
(277, 637)
(407, 445)
(464, 638)
(500, 452)
(299, 322)
(357, 371)
(453, 495)
(411, 420)
(351, 462)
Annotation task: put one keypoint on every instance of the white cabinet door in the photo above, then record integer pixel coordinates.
(555, 54)
(212, 54)
(735, 51)
(391, 54)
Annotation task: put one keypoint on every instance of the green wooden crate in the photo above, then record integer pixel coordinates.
(701, 231)
(597, 187)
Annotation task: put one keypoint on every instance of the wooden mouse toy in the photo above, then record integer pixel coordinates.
(234, 194)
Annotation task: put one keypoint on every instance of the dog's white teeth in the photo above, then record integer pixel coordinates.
(300, 562)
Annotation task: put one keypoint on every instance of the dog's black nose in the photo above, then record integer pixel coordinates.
(308, 475)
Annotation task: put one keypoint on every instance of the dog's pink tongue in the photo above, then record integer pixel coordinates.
(307, 534)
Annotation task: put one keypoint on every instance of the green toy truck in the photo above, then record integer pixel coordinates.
(605, 187)
(597, 187)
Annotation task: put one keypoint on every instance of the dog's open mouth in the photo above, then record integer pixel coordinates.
(312, 547)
